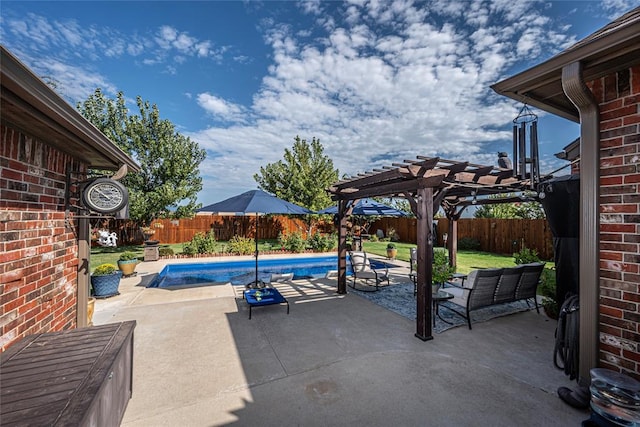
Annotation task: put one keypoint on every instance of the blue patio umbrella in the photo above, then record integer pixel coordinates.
(254, 203)
(368, 207)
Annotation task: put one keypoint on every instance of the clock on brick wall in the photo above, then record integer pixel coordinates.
(105, 195)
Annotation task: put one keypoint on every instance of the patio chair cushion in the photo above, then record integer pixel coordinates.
(361, 268)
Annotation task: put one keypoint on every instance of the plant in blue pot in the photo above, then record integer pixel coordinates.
(105, 281)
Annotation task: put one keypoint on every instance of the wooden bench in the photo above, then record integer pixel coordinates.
(492, 286)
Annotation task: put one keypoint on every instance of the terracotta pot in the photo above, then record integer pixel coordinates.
(91, 305)
(392, 253)
(128, 267)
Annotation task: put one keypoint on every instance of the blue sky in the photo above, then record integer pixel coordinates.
(378, 81)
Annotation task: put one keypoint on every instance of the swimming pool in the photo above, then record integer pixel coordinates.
(231, 271)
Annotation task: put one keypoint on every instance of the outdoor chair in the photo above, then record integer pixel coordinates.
(362, 270)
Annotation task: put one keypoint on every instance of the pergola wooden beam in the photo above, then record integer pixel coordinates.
(426, 183)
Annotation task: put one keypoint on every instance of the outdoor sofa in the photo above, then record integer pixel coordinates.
(491, 286)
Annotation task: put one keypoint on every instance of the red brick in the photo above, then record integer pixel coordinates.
(613, 256)
(610, 143)
(611, 349)
(630, 179)
(621, 131)
(631, 119)
(631, 100)
(631, 355)
(611, 180)
(623, 111)
(611, 123)
(610, 311)
(620, 228)
(627, 296)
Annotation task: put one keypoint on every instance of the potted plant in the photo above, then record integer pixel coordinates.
(392, 252)
(441, 270)
(127, 263)
(105, 281)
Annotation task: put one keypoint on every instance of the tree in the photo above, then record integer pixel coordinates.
(169, 180)
(302, 176)
(524, 210)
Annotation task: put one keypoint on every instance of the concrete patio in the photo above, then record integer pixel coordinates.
(334, 360)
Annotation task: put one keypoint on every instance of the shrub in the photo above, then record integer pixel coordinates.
(391, 245)
(392, 235)
(468, 244)
(241, 245)
(293, 242)
(526, 256)
(322, 243)
(374, 238)
(105, 270)
(165, 251)
(128, 256)
(201, 244)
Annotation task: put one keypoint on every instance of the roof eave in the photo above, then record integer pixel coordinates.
(617, 48)
(19, 83)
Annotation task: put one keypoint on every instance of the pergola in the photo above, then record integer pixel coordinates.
(427, 183)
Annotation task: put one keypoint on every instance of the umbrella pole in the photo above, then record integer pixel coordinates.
(256, 254)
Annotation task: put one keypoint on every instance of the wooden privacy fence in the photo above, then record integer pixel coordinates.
(224, 228)
(501, 236)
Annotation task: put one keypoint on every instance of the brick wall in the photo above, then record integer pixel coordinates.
(619, 98)
(38, 248)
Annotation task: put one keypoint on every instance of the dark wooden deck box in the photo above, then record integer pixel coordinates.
(79, 377)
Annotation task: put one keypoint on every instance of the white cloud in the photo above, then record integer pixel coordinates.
(386, 87)
(615, 8)
(220, 108)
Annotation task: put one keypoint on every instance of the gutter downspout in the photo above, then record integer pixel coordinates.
(580, 95)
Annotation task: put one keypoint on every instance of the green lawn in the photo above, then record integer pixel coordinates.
(467, 260)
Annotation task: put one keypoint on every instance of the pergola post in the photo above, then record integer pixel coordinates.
(452, 242)
(424, 301)
(342, 246)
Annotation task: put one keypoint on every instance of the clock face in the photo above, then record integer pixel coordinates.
(105, 195)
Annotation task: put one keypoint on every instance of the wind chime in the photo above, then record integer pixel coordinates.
(526, 123)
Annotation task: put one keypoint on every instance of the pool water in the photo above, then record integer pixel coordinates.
(230, 271)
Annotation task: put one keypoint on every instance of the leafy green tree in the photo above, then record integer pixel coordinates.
(169, 180)
(523, 210)
(302, 176)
